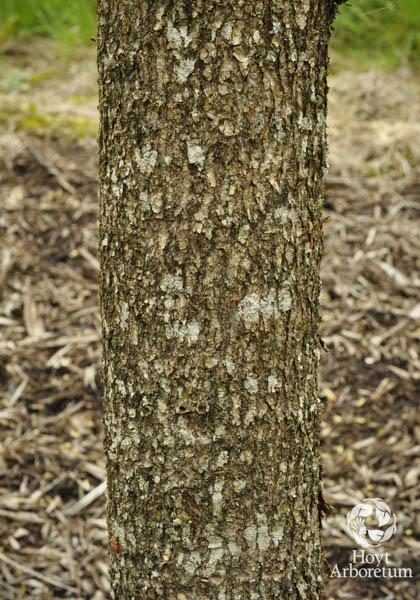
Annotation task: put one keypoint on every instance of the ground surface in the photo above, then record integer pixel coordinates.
(53, 534)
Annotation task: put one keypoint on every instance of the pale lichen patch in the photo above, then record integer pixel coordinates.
(222, 459)
(192, 331)
(263, 538)
(232, 34)
(177, 38)
(284, 215)
(184, 68)
(252, 307)
(196, 154)
(173, 36)
(146, 159)
(239, 485)
(234, 548)
(250, 416)
(192, 563)
(250, 535)
(188, 332)
(272, 384)
(216, 554)
(124, 315)
(230, 365)
(277, 536)
(285, 299)
(170, 283)
(251, 385)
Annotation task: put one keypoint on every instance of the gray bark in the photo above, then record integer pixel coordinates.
(212, 154)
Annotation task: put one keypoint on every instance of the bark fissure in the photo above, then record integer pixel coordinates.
(212, 154)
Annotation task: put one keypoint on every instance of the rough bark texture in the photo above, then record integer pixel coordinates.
(212, 154)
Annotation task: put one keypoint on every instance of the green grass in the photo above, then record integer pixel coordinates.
(385, 33)
(366, 32)
(70, 21)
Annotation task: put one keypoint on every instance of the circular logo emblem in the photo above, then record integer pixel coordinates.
(371, 523)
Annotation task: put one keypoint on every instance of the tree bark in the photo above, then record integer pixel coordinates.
(212, 156)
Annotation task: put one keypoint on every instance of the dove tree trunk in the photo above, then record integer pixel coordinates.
(212, 156)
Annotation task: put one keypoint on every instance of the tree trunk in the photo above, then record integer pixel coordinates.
(212, 156)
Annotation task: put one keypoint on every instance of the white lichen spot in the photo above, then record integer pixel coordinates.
(239, 485)
(263, 538)
(184, 432)
(250, 535)
(252, 307)
(155, 203)
(241, 58)
(284, 215)
(277, 536)
(219, 433)
(272, 384)
(235, 414)
(230, 365)
(173, 36)
(251, 385)
(146, 159)
(234, 549)
(302, 16)
(243, 233)
(144, 368)
(184, 34)
(285, 299)
(169, 303)
(214, 541)
(196, 155)
(119, 533)
(304, 122)
(188, 331)
(246, 457)
(192, 331)
(211, 362)
(184, 69)
(227, 31)
(227, 129)
(211, 178)
(216, 554)
(231, 34)
(250, 416)
(170, 283)
(124, 315)
(217, 499)
(256, 36)
(121, 386)
(177, 38)
(249, 308)
(193, 562)
(222, 459)
(159, 14)
(276, 26)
